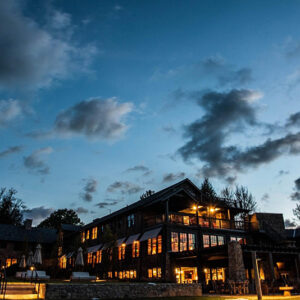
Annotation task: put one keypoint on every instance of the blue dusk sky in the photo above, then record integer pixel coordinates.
(103, 100)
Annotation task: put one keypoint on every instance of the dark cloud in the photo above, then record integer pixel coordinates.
(93, 118)
(34, 56)
(225, 73)
(265, 197)
(293, 120)
(173, 176)
(296, 195)
(140, 168)
(35, 163)
(124, 187)
(11, 150)
(81, 210)
(225, 114)
(89, 189)
(9, 109)
(37, 213)
(289, 223)
(107, 203)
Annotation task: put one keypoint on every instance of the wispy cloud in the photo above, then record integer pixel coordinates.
(124, 187)
(35, 163)
(173, 176)
(10, 150)
(89, 189)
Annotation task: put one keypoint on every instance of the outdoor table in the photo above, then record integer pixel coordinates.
(286, 290)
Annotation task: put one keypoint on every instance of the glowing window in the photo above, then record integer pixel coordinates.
(221, 240)
(206, 241)
(149, 273)
(174, 241)
(183, 242)
(82, 237)
(87, 236)
(99, 256)
(159, 244)
(192, 241)
(136, 249)
(90, 258)
(122, 249)
(213, 240)
(94, 233)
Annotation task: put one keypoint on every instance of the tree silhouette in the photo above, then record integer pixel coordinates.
(10, 207)
(146, 194)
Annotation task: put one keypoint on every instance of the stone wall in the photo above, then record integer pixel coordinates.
(76, 291)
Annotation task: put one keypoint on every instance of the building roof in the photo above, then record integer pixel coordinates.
(20, 234)
(292, 233)
(194, 192)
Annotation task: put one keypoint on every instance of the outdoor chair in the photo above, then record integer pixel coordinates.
(29, 275)
(20, 274)
(41, 275)
(82, 276)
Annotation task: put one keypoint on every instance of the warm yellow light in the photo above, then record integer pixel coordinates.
(199, 206)
(205, 270)
(212, 209)
(194, 207)
(31, 268)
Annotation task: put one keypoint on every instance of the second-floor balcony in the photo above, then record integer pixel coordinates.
(193, 220)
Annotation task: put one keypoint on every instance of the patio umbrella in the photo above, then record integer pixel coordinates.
(29, 261)
(79, 258)
(37, 258)
(22, 263)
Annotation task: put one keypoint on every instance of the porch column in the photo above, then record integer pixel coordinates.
(167, 211)
(271, 265)
(256, 276)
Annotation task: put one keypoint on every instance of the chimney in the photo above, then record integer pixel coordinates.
(28, 224)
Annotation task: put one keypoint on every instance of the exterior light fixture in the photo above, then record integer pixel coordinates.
(194, 207)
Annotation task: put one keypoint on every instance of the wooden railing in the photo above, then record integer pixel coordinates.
(191, 220)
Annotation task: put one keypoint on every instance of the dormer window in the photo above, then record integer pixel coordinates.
(130, 220)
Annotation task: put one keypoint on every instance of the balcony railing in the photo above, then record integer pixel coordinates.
(191, 220)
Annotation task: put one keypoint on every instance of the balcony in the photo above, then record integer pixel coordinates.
(191, 220)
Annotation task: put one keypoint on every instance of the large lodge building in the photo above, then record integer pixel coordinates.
(176, 235)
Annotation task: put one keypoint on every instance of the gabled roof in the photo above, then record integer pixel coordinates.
(33, 235)
(193, 191)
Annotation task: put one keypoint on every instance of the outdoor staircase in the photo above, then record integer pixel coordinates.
(20, 290)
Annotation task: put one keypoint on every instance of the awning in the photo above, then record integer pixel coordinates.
(70, 254)
(120, 242)
(150, 234)
(132, 238)
(94, 248)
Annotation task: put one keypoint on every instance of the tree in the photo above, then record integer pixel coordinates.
(239, 198)
(61, 216)
(147, 194)
(10, 207)
(296, 211)
(207, 191)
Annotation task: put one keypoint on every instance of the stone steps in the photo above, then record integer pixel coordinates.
(20, 291)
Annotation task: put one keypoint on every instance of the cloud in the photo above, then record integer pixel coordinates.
(34, 161)
(293, 120)
(283, 172)
(34, 55)
(9, 109)
(89, 189)
(124, 187)
(94, 118)
(169, 129)
(139, 168)
(108, 202)
(81, 210)
(224, 115)
(11, 150)
(173, 176)
(37, 213)
(265, 197)
(225, 73)
(296, 195)
(289, 223)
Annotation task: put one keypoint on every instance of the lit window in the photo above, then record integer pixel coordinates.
(120, 275)
(213, 240)
(221, 240)
(90, 258)
(153, 246)
(136, 249)
(109, 274)
(191, 241)
(205, 241)
(127, 274)
(149, 273)
(122, 251)
(149, 247)
(159, 272)
(63, 262)
(82, 237)
(98, 256)
(174, 241)
(154, 272)
(87, 235)
(159, 244)
(186, 220)
(134, 273)
(183, 242)
(94, 233)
